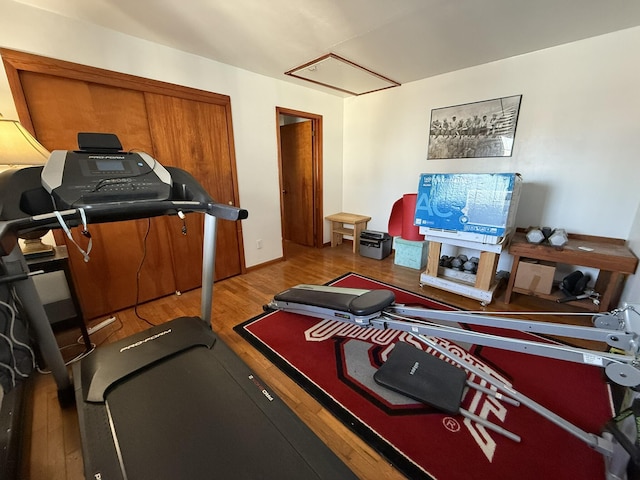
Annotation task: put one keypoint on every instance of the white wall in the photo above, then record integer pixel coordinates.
(631, 293)
(576, 143)
(254, 99)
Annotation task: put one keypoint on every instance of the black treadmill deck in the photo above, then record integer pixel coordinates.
(197, 414)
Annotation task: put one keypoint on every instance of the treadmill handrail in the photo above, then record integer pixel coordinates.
(102, 213)
(187, 196)
(114, 212)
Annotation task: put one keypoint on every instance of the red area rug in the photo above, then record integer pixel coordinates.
(335, 363)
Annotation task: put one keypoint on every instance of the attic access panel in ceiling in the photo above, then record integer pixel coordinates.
(340, 74)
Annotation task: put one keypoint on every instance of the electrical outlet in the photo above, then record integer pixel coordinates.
(259, 244)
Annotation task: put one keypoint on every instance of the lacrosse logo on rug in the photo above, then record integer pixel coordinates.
(337, 362)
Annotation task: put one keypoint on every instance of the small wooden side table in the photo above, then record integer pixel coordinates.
(338, 229)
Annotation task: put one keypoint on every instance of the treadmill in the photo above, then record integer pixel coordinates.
(173, 401)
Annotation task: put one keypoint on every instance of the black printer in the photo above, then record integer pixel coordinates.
(375, 244)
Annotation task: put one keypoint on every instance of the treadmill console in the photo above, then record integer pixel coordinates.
(101, 173)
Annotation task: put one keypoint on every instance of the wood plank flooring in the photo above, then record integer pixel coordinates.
(51, 439)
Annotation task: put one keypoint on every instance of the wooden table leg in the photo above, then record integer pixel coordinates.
(433, 259)
(357, 230)
(336, 238)
(486, 270)
(611, 282)
(512, 279)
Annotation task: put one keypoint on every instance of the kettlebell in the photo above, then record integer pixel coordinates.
(574, 283)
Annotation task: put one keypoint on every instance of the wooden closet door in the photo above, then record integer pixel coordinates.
(59, 109)
(194, 136)
(181, 126)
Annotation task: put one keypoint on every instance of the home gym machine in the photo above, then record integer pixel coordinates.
(377, 309)
(173, 401)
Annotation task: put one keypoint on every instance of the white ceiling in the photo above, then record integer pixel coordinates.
(404, 40)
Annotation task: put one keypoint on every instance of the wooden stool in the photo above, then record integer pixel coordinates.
(338, 229)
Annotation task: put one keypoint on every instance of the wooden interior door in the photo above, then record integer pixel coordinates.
(62, 107)
(197, 142)
(296, 150)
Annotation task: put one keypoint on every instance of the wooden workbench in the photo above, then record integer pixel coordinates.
(610, 256)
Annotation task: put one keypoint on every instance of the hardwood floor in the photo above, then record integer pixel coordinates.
(52, 447)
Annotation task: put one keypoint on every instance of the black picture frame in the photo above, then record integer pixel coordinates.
(474, 130)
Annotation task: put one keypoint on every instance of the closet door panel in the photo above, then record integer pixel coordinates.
(116, 274)
(180, 126)
(61, 107)
(194, 135)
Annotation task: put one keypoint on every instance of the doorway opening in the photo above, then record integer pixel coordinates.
(299, 137)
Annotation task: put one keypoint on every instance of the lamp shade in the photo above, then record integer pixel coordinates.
(17, 145)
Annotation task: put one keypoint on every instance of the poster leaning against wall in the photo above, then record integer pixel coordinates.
(474, 130)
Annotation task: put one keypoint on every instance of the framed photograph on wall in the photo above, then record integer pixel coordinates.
(474, 130)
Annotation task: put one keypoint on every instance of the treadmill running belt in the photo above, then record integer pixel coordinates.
(201, 414)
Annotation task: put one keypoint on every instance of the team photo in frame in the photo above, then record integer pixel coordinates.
(474, 130)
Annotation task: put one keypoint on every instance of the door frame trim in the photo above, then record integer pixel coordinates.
(316, 126)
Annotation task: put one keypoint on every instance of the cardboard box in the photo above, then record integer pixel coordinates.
(478, 207)
(410, 253)
(536, 277)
